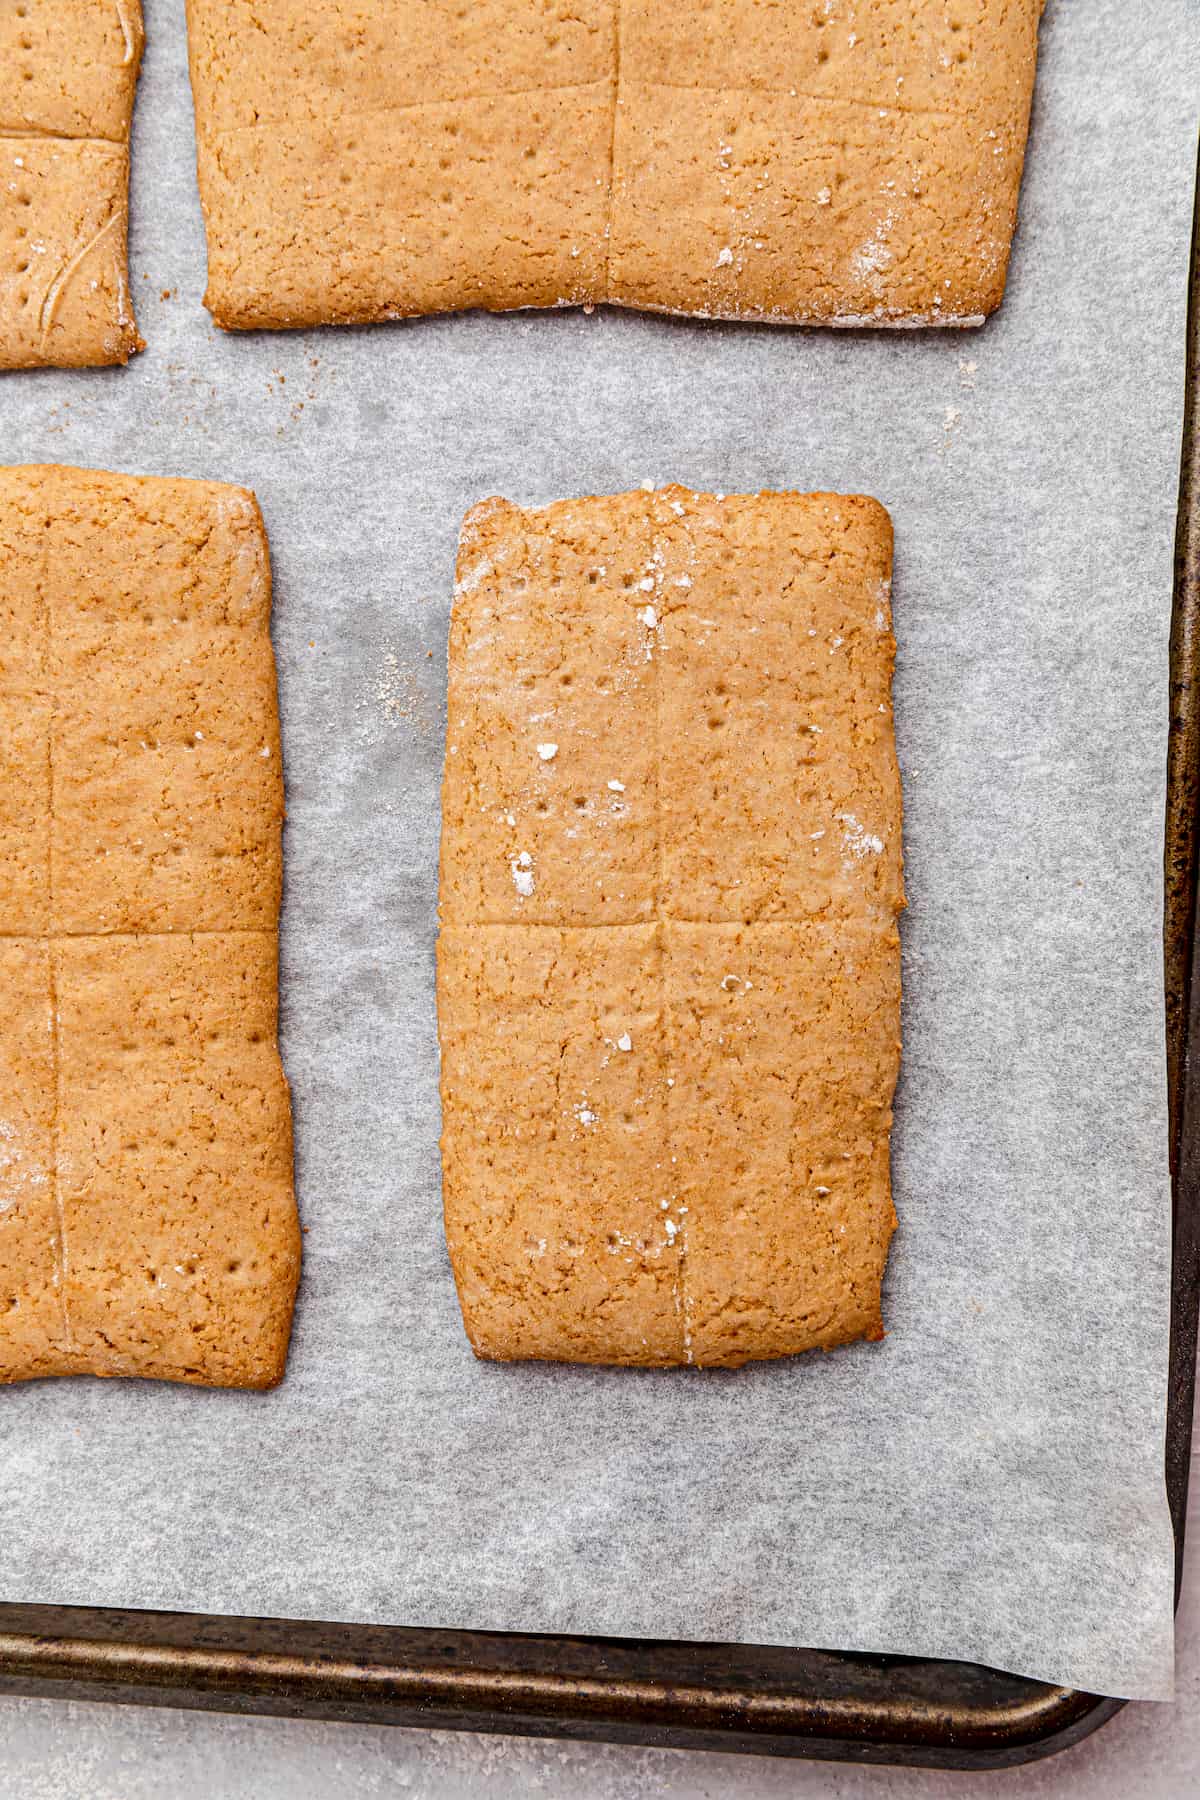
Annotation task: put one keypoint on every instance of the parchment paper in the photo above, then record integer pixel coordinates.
(988, 1482)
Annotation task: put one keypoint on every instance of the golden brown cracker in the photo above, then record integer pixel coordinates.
(147, 1217)
(668, 970)
(68, 70)
(848, 162)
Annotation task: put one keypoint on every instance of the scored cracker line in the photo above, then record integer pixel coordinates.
(679, 1283)
(815, 920)
(60, 1248)
(59, 1209)
(612, 154)
(58, 937)
(416, 106)
(790, 93)
(40, 135)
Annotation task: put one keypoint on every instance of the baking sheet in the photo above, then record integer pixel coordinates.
(988, 1482)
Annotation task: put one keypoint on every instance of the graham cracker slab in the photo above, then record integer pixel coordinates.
(68, 71)
(850, 162)
(147, 1215)
(855, 162)
(668, 967)
(373, 160)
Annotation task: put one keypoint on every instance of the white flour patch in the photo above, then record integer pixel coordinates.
(875, 253)
(470, 579)
(857, 840)
(522, 874)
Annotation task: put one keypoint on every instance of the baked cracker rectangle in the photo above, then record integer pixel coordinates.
(68, 71)
(668, 966)
(378, 160)
(147, 1214)
(856, 162)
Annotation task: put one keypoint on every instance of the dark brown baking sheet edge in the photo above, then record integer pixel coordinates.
(731, 1697)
